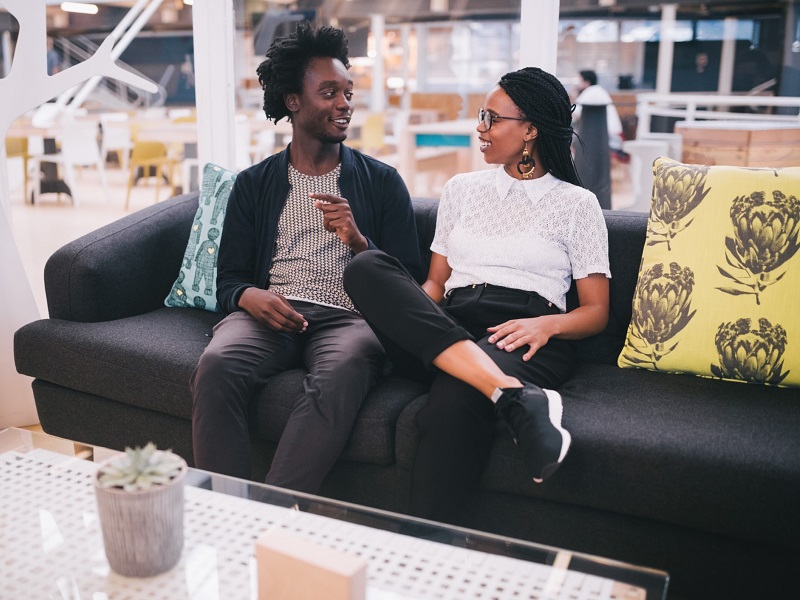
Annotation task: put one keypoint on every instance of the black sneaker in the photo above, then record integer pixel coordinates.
(533, 417)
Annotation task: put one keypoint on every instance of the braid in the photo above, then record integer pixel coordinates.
(287, 60)
(544, 102)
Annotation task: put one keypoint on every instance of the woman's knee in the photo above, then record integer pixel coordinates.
(360, 268)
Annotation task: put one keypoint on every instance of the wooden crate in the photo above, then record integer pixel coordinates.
(744, 145)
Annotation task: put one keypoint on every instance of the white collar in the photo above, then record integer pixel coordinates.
(534, 188)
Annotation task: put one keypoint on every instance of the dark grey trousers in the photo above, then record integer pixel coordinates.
(343, 359)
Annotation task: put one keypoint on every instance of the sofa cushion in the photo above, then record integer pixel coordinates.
(144, 360)
(196, 284)
(713, 455)
(720, 275)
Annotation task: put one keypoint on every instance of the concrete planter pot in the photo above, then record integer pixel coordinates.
(143, 529)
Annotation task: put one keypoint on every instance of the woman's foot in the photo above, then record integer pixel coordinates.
(533, 417)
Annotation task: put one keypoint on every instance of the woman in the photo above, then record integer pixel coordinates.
(489, 321)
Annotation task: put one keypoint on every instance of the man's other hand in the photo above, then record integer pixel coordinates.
(272, 310)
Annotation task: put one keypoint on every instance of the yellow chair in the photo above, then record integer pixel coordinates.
(371, 140)
(154, 159)
(17, 147)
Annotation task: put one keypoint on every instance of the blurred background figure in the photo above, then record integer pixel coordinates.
(54, 59)
(588, 92)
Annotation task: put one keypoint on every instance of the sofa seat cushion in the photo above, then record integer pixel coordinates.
(373, 437)
(145, 361)
(707, 454)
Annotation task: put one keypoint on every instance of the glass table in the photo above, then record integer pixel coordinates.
(51, 544)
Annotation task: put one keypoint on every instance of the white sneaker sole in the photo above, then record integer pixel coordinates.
(555, 411)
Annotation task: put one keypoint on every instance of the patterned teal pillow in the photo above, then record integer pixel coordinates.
(196, 285)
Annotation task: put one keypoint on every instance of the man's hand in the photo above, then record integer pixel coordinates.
(272, 310)
(534, 332)
(338, 218)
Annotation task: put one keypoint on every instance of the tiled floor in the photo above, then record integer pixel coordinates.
(40, 230)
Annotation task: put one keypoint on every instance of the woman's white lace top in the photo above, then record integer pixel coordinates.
(531, 235)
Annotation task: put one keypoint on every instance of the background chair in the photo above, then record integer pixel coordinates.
(17, 147)
(371, 141)
(154, 160)
(116, 136)
(79, 148)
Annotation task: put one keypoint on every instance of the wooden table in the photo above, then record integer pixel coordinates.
(740, 143)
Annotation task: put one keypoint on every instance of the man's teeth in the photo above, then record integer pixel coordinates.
(485, 144)
(341, 121)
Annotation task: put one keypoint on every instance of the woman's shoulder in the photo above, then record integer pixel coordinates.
(471, 179)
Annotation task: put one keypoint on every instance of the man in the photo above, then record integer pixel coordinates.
(588, 92)
(293, 222)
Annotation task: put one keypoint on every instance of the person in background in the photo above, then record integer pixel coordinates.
(293, 222)
(54, 59)
(489, 326)
(589, 92)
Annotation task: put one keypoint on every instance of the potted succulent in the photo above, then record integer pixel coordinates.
(140, 505)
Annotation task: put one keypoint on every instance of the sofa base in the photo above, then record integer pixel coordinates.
(700, 565)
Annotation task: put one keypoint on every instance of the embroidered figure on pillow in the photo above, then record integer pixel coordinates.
(206, 262)
(194, 238)
(177, 297)
(222, 200)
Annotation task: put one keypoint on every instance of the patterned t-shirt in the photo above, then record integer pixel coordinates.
(531, 235)
(309, 261)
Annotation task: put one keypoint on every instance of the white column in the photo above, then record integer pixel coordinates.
(405, 33)
(7, 50)
(727, 56)
(377, 99)
(666, 48)
(214, 48)
(538, 40)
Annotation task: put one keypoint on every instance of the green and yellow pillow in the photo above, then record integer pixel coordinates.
(719, 280)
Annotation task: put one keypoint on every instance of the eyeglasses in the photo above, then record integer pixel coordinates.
(488, 118)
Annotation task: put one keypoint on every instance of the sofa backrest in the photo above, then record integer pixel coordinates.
(626, 237)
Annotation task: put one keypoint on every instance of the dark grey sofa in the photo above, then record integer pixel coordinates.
(694, 476)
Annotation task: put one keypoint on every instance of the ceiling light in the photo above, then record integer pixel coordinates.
(188, 2)
(79, 7)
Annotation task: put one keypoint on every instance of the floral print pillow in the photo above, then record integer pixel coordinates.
(720, 275)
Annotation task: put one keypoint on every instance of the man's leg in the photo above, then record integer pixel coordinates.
(344, 360)
(241, 355)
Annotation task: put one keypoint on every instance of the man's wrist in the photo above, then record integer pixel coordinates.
(360, 246)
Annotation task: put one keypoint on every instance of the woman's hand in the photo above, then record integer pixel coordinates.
(589, 318)
(534, 332)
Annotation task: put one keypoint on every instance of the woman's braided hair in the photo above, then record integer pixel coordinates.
(544, 102)
(287, 60)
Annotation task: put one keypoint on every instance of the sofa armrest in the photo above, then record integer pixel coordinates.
(123, 269)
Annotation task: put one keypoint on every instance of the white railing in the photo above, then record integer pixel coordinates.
(701, 107)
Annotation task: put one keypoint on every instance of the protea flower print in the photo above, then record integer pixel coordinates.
(678, 190)
(661, 309)
(751, 354)
(766, 234)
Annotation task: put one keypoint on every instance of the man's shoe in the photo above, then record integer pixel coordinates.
(533, 417)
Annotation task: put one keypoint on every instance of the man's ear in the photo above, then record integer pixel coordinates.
(292, 102)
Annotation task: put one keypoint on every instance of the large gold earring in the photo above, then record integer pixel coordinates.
(527, 165)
